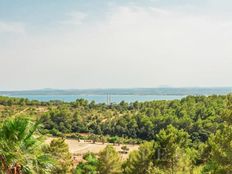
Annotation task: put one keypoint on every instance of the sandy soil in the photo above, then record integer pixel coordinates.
(80, 148)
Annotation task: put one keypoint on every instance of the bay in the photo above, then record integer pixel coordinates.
(100, 98)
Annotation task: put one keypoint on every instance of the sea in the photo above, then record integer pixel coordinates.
(116, 95)
(101, 98)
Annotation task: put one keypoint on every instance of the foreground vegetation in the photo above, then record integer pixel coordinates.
(192, 135)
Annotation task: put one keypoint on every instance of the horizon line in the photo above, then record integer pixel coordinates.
(120, 88)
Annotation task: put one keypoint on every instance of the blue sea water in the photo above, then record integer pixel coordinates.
(101, 98)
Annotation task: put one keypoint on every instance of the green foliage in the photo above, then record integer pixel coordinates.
(94, 138)
(199, 116)
(21, 148)
(184, 134)
(59, 150)
(89, 166)
(220, 144)
(113, 139)
(170, 143)
(221, 152)
(109, 161)
(168, 154)
(140, 161)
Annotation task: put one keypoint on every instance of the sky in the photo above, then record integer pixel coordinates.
(77, 44)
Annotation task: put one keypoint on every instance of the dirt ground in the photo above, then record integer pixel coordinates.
(78, 149)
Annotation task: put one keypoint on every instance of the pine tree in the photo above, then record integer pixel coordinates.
(139, 161)
(109, 161)
(170, 143)
(220, 161)
(221, 152)
(60, 151)
(89, 166)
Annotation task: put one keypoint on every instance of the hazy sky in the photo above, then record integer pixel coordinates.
(115, 43)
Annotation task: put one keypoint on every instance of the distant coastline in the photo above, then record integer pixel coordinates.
(125, 91)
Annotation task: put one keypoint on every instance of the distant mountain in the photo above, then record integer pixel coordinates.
(124, 91)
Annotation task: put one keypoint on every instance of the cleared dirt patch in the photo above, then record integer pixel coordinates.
(80, 148)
